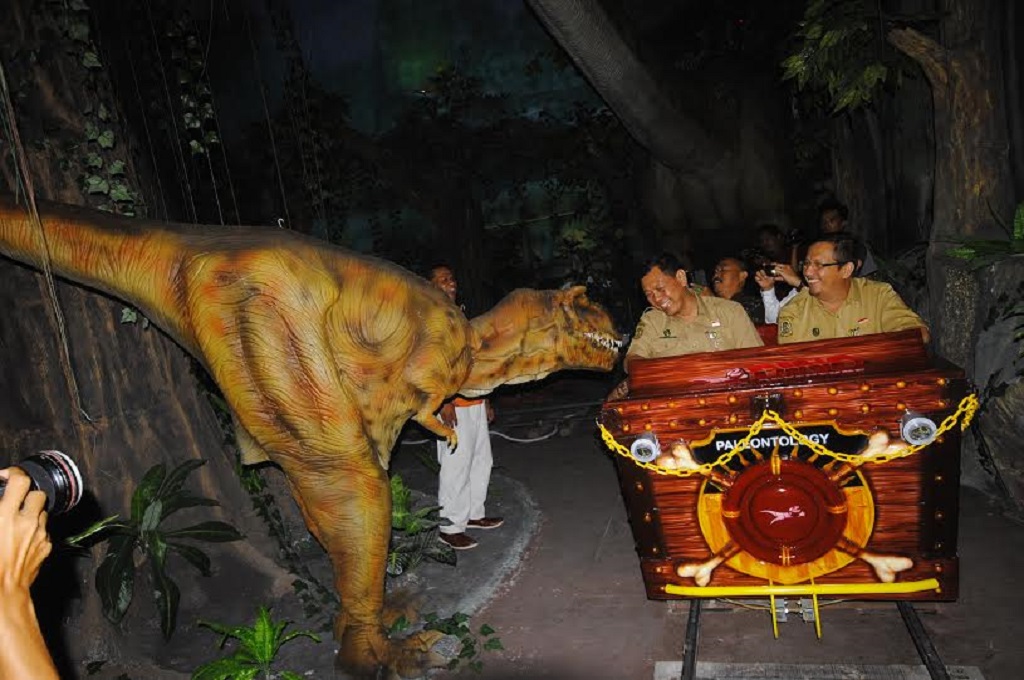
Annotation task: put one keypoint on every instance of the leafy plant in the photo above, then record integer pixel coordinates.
(414, 532)
(840, 47)
(983, 252)
(159, 495)
(457, 625)
(258, 647)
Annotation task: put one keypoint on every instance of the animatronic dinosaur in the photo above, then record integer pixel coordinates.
(322, 355)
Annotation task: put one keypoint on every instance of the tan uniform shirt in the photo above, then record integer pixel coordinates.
(720, 324)
(871, 307)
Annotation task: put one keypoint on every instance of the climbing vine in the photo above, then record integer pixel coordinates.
(194, 93)
(99, 156)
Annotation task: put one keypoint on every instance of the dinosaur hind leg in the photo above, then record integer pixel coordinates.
(348, 509)
(349, 512)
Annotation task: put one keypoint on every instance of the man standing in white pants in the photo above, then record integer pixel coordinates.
(466, 471)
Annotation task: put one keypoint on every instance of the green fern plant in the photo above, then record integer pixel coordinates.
(258, 646)
(159, 495)
(413, 532)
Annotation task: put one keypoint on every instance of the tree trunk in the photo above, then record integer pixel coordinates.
(138, 396)
(859, 172)
(586, 33)
(720, 180)
(974, 190)
(972, 171)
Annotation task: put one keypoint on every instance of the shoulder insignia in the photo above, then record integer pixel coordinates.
(786, 328)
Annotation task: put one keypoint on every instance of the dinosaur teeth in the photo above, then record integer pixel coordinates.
(598, 340)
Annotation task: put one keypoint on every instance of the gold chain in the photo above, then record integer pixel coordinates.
(964, 412)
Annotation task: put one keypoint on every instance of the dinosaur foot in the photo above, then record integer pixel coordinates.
(366, 654)
(425, 650)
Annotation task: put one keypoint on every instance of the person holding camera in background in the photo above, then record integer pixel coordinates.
(24, 545)
(767, 278)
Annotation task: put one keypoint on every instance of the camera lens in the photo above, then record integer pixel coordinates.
(56, 475)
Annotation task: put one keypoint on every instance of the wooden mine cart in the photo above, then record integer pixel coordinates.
(820, 468)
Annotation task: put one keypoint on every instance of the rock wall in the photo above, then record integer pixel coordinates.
(978, 334)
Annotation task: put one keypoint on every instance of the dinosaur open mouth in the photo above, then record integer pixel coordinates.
(603, 341)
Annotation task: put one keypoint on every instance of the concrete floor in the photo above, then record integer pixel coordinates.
(574, 607)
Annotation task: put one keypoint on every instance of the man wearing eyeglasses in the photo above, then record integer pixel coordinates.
(835, 304)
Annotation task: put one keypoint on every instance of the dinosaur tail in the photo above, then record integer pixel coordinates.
(127, 258)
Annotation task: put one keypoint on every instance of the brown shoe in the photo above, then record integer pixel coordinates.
(458, 541)
(485, 523)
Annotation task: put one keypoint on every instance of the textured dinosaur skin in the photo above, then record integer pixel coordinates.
(322, 355)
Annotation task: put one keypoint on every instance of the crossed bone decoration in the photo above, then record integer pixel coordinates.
(885, 567)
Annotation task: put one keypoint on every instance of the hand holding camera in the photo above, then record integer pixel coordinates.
(784, 272)
(24, 543)
(56, 475)
(768, 275)
(46, 480)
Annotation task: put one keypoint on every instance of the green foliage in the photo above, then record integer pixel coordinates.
(258, 646)
(102, 173)
(983, 252)
(159, 495)
(839, 52)
(195, 98)
(131, 315)
(485, 639)
(414, 532)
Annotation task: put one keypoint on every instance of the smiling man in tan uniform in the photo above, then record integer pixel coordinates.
(681, 322)
(835, 304)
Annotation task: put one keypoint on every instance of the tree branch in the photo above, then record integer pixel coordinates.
(587, 34)
(928, 54)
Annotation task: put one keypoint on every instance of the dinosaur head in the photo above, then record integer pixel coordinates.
(586, 337)
(532, 333)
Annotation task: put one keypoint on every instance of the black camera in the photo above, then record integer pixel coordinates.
(56, 475)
